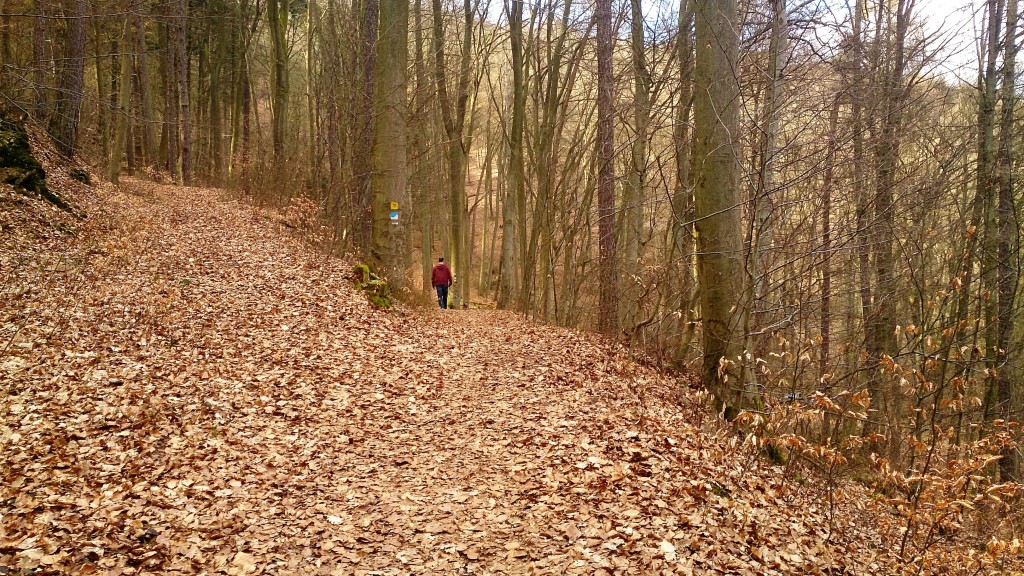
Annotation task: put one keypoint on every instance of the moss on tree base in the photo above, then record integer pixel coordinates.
(377, 290)
(20, 168)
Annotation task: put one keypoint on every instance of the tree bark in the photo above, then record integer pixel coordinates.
(103, 88)
(422, 191)
(635, 193)
(63, 125)
(1008, 243)
(182, 76)
(608, 291)
(121, 113)
(508, 287)
(39, 59)
(362, 161)
(145, 95)
(312, 151)
(681, 253)
(170, 137)
(826, 241)
(724, 299)
(390, 174)
(277, 18)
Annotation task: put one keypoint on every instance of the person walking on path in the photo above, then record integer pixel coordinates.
(441, 278)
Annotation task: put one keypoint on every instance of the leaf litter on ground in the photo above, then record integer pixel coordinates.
(196, 390)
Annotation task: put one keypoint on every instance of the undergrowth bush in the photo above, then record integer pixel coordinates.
(937, 492)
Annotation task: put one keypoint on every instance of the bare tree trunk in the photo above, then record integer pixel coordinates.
(362, 161)
(241, 101)
(39, 59)
(182, 73)
(422, 191)
(170, 140)
(762, 226)
(862, 241)
(453, 116)
(508, 287)
(121, 113)
(886, 278)
(5, 41)
(63, 124)
(826, 240)
(681, 252)
(390, 174)
(103, 89)
(608, 306)
(145, 93)
(277, 18)
(312, 149)
(538, 289)
(1008, 242)
(635, 193)
(724, 299)
(216, 128)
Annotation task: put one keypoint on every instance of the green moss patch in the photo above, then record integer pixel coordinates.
(377, 290)
(18, 166)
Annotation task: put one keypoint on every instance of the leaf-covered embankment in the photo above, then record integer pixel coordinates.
(196, 390)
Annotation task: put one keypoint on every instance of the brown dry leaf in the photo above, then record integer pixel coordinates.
(191, 388)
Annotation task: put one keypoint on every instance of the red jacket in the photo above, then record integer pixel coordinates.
(441, 276)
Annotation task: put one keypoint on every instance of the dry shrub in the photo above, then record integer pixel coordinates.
(944, 511)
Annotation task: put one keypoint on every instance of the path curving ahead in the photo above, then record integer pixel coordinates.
(197, 391)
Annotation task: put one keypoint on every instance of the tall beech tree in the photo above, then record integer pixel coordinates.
(724, 298)
(390, 172)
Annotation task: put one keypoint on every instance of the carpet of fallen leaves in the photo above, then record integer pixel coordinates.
(189, 388)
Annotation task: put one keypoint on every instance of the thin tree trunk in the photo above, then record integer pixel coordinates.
(63, 124)
(1008, 242)
(312, 153)
(145, 95)
(171, 110)
(5, 41)
(764, 201)
(608, 306)
(104, 89)
(826, 240)
(182, 64)
(508, 286)
(422, 191)
(38, 59)
(681, 252)
(634, 193)
(216, 119)
(277, 18)
(121, 113)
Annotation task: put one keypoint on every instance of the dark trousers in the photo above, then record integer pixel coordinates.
(442, 296)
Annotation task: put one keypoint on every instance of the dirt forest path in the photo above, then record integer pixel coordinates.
(191, 389)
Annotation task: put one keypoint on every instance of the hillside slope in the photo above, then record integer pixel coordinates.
(187, 388)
